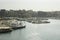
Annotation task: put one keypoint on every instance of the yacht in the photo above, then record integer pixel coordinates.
(17, 24)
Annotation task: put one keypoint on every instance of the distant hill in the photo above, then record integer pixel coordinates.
(28, 13)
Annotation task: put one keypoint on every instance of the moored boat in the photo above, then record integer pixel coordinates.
(45, 21)
(17, 24)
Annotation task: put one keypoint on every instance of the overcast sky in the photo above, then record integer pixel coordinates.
(42, 5)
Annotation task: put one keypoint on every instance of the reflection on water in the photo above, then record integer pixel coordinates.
(50, 31)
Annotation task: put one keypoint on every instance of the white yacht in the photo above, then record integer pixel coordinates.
(17, 24)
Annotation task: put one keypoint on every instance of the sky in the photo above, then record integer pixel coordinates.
(36, 5)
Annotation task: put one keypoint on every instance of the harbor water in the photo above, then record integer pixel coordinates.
(46, 31)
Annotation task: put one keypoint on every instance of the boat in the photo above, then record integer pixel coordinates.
(36, 22)
(45, 21)
(17, 24)
(40, 21)
(5, 29)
